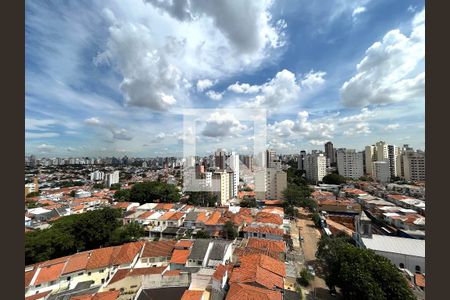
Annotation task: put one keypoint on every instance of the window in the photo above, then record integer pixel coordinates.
(79, 274)
(133, 286)
(144, 260)
(417, 269)
(68, 278)
(103, 280)
(101, 271)
(122, 290)
(402, 265)
(89, 273)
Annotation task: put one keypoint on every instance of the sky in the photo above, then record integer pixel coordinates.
(114, 78)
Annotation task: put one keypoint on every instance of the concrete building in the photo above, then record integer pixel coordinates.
(405, 253)
(260, 184)
(394, 166)
(271, 157)
(330, 152)
(276, 183)
(350, 163)
(234, 165)
(381, 171)
(370, 157)
(219, 159)
(221, 180)
(97, 175)
(301, 160)
(382, 153)
(315, 166)
(247, 160)
(112, 178)
(414, 166)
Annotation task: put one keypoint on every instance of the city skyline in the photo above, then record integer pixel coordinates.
(112, 78)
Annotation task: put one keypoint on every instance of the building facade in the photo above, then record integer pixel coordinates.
(350, 163)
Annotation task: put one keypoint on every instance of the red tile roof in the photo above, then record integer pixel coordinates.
(239, 291)
(29, 276)
(264, 229)
(172, 273)
(184, 244)
(127, 253)
(202, 217)
(256, 274)
(275, 246)
(49, 273)
(123, 205)
(265, 217)
(100, 258)
(220, 272)
(179, 256)
(264, 261)
(192, 295)
(76, 262)
(122, 273)
(146, 215)
(214, 218)
(158, 248)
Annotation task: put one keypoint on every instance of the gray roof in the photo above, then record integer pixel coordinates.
(393, 244)
(218, 250)
(199, 248)
(192, 216)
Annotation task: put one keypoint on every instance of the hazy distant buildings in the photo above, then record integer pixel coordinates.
(350, 163)
(219, 159)
(247, 160)
(315, 165)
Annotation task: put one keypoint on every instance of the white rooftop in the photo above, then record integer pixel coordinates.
(393, 244)
(38, 211)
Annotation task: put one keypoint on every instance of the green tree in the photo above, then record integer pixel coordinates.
(333, 178)
(98, 186)
(305, 277)
(206, 199)
(122, 196)
(150, 191)
(360, 273)
(316, 219)
(72, 193)
(248, 202)
(128, 233)
(229, 230)
(202, 234)
(115, 186)
(32, 194)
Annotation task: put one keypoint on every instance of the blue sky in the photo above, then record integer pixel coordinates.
(110, 78)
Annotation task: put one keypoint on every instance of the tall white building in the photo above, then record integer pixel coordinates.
(370, 157)
(112, 178)
(315, 165)
(260, 183)
(381, 171)
(233, 162)
(394, 166)
(222, 179)
(350, 163)
(382, 153)
(97, 175)
(271, 158)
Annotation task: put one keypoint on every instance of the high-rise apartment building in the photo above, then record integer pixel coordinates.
(112, 178)
(247, 160)
(381, 171)
(97, 175)
(270, 183)
(301, 160)
(222, 181)
(350, 163)
(414, 165)
(315, 166)
(370, 157)
(219, 159)
(330, 153)
(233, 162)
(394, 166)
(271, 158)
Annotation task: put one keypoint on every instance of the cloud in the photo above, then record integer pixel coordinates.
(204, 84)
(358, 10)
(360, 128)
(318, 142)
(214, 95)
(364, 115)
(313, 79)
(45, 148)
(392, 127)
(222, 125)
(302, 127)
(244, 88)
(39, 124)
(163, 47)
(388, 72)
(117, 133)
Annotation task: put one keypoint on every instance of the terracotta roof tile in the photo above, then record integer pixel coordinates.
(179, 256)
(419, 279)
(177, 216)
(239, 291)
(76, 262)
(122, 273)
(158, 248)
(146, 215)
(220, 272)
(167, 215)
(265, 217)
(275, 246)
(29, 276)
(214, 218)
(127, 253)
(202, 217)
(264, 261)
(100, 258)
(37, 296)
(184, 244)
(264, 229)
(49, 273)
(172, 273)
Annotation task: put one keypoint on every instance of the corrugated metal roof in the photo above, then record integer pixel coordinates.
(395, 244)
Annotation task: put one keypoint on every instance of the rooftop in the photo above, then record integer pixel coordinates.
(393, 244)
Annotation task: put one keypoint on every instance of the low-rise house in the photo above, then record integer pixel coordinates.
(272, 246)
(240, 291)
(179, 259)
(219, 252)
(156, 254)
(263, 232)
(198, 252)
